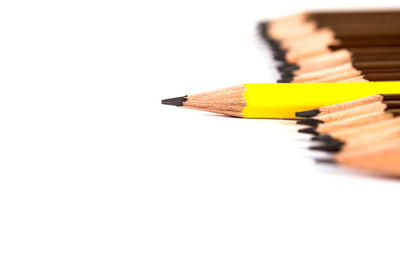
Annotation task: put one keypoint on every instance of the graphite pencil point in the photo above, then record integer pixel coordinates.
(263, 30)
(325, 138)
(176, 101)
(288, 67)
(279, 54)
(309, 131)
(287, 74)
(285, 80)
(332, 147)
(330, 161)
(310, 122)
(308, 113)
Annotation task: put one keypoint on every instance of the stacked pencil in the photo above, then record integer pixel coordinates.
(363, 133)
(357, 46)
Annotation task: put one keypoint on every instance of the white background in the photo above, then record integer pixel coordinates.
(94, 171)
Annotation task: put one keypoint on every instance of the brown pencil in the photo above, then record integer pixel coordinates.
(306, 39)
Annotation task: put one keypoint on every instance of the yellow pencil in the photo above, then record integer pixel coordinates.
(279, 100)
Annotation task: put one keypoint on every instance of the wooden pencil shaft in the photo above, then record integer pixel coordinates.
(365, 129)
(337, 77)
(355, 121)
(352, 13)
(376, 65)
(354, 23)
(366, 42)
(376, 57)
(378, 15)
(358, 113)
(367, 146)
(348, 31)
(348, 113)
(374, 77)
(368, 138)
(369, 55)
(382, 157)
(395, 112)
(382, 70)
(351, 104)
(375, 50)
(353, 18)
(393, 64)
(385, 98)
(388, 97)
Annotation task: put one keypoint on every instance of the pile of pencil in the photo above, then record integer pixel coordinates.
(327, 58)
(317, 47)
(363, 133)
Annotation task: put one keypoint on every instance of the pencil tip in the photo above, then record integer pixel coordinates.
(310, 122)
(263, 30)
(308, 113)
(176, 101)
(331, 147)
(279, 54)
(324, 138)
(285, 79)
(308, 130)
(288, 67)
(330, 161)
(287, 74)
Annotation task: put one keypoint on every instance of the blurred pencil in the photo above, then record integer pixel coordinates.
(382, 158)
(336, 46)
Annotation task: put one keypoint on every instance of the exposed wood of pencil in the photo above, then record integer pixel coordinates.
(228, 101)
(383, 157)
(360, 141)
(355, 121)
(368, 108)
(358, 79)
(319, 74)
(323, 61)
(387, 98)
(373, 138)
(349, 74)
(356, 131)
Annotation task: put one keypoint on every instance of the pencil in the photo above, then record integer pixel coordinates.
(348, 105)
(346, 114)
(361, 141)
(336, 46)
(381, 158)
(279, 100)
(359, 120)
(355, 131)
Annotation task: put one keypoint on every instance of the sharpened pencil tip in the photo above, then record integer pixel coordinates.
(176, 101)
(288, 67)
(287, 74)
(332, 147)
(310, 122)
(285, 80)
(329, 161)
(263, 30)
(308, 113)
(308, 130)
(326, 138)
